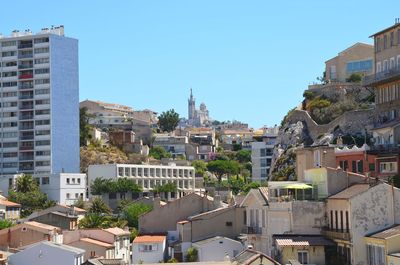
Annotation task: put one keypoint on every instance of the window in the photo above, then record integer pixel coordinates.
(332, 72)
(42, 40)
(42, 122)
(42, 81)
(42, 71)
(42, 112)
(10, 134)
(42, 61)
(359, 66)
(67, 180)
(9, 74)
(42, 50)
(354, 166)
(263, 152)
(302, 256)
(9, 43)
(371, 167)
(42, 101)
(43, 142)
(378, 67)
(148, 247)
(67, 195)
(317, 158)
(78, 180)
(228, 223)
(10, 144)
(384, 41)
(9, 84)
(42, 132)
(388, 167)
(12, 154)
(263, 162)
(42, 163)
(8, 54)
(9, 94)
(45, 180)
(360, 166)
(42, 153)
(376, 255)
(10, 64)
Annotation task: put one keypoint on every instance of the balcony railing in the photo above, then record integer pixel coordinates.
(26, 107)
(336, 234)
(385, 148)
(26, 117)
(24, 46)
(25, 76)
(25, 66)
(253, 230)
(29, 86)
(23, 56)
(381, 77)
(26, 148)
(26, 96)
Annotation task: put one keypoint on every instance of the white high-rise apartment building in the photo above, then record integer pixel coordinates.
(39, 103)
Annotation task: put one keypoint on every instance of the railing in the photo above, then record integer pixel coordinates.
(25, 76)
(23, 56)
(29, 137)
(26, 148)
(30, 96)
(21, 66)
(26, 127)
(26, 107)
(24, 46)
(389, 148)
(26, 158)
(253, 230)
(336, 234)
(26, 86)
(381, 76)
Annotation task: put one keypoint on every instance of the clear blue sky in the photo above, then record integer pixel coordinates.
(247, 60)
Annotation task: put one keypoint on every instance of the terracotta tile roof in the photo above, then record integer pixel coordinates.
(149, 239)
(42, 226)
(96, 242)
(387, 233)
(351, 192)
(9, 203)
(117, 231)
(300, 240)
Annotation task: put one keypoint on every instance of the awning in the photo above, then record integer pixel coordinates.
(297, 186)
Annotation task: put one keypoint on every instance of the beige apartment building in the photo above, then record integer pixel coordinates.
(358, 58)
(386, 79)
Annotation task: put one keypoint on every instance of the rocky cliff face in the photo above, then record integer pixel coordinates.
(299, 129)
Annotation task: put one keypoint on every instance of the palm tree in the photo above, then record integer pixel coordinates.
(99, 206)
(97, 186)
(94, 220)
(26, 183)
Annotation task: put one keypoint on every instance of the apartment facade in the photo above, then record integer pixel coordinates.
(261, 155)
(39, 127)
(386, 79)
(359, 58)
(148, 176)
(64, 188)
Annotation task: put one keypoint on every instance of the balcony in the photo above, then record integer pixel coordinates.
(26, 148)
(26, 86)
(26, 117)
(26, 158)
(336, 234)
(382, 77)
(26, 127)
(24, 56)
(253, 230)
(25, 76)
(385, 148)
(26, 107)
(25, 66)
(25, 46)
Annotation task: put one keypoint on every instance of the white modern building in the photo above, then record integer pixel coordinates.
(39, 106)
(217, 248)
(149, 249)
(64, 188)
(147, 176)
(261, 154)
(48, 253)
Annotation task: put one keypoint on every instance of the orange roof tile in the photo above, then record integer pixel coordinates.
(117, 231)
(96, 242)
(149, 239)
(8, 203)
(43, 226)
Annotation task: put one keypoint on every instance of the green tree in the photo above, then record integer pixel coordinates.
(354, 78)
(200, 167)
(132, 212)
(125, 185)
(309, 95)
(4, 223)
(95, 220)
(98, 186)
(84, 126)
(80, 203)
(192, 254)
(26, 183)
(159, 152)
(168, 120)
(27, 194)
(243, 156)
(223, 167)
(99, 206)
